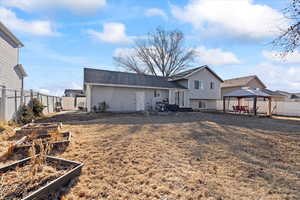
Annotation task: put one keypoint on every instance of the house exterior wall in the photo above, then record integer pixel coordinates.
(209, 104)
(254, 83)
(206, 93)
(8, 61)
(183, 82)
(124, 99)
(226, 90)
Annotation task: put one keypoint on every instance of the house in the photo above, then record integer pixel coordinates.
(288, 96)
(122, 91)
(11, 72)
(276, 96)
(74, 93)
(231, 85)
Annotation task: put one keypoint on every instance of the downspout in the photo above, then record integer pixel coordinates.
(22, 79)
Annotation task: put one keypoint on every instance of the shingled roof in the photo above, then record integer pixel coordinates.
(10, 35)
(187, 73)
(240, 82)
(247, 93)
(97, 76)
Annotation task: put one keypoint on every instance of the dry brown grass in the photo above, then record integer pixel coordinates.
(20, 182)
(189, 156)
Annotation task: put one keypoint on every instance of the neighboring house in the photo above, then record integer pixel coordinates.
(231, 85)
(289, 96)
(11, 72)
(74, 93)
(276, 96)
(123, 91)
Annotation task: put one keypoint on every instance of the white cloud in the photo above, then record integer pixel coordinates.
(241, 18)
(35, 27)
(279, 77)
(156, 12)
(112, 33)
(79, 6)
(215, 56)
(291, 58)
(123, 52)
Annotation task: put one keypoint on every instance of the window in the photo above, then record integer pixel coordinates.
(202, 104)
(212, 85)
(201, 85)
(156, 93)
(196, 84)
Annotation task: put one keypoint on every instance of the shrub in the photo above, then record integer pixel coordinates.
(24, 115)
(102, 107)
(1, 128)
(37, 107)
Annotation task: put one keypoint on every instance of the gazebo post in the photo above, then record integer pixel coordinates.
(239, 101)
(270, 106)
(224, 110)
(254, 106)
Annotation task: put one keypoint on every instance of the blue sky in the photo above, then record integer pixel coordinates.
(63, 36)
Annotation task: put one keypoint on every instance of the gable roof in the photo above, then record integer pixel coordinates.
(241, 81)
(188, 73)
(97, 76)
(10, 35)
(247, 93)
(291, 95)
(272, 93)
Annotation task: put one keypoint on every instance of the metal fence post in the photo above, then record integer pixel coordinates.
(16, 101)
(3, 103)
(53, 104)
(48, 103)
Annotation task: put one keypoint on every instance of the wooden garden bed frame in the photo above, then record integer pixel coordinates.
(53, 185)
(39, 128)
(56, 144)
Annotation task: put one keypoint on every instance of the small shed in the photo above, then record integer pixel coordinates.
(248, 93)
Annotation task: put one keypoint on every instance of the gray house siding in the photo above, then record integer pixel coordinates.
(124, 99)
(9, 54)
(207, 95)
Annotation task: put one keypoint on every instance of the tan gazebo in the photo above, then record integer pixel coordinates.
(248, 93)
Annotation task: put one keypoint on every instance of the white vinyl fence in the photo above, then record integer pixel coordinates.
(286, 108)
(11, 100)
(73, 103)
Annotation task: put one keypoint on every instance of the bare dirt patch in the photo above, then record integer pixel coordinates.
(183, 156)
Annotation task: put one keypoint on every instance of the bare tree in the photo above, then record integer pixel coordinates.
(288, 40)
(161, 54)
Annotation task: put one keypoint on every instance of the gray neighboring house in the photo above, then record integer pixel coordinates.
(12, 72)
(74, 93)
(288, 96)
(198, 88)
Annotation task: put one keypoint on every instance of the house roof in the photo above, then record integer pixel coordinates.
(241, 81)
(97, 76)
(247, 93)
(10, 35)
(188, 73)
(73, 90)
(272, 93)
(292, 95)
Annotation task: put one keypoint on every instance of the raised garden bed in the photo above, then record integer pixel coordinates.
(59, 143)
(38, 128)
(18, 183)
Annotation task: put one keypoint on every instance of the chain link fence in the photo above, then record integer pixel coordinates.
(11, 100)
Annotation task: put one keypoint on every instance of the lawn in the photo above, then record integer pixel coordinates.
(185, 156)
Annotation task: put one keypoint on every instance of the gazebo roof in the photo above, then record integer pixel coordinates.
(244, 93)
